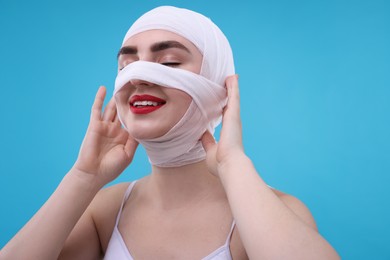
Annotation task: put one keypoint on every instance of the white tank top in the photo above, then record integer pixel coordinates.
(117, 249)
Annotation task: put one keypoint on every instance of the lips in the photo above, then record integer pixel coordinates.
(145, 104)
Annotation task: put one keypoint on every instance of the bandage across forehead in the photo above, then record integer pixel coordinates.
(181, 145)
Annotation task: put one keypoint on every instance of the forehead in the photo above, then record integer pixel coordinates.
(147, 38)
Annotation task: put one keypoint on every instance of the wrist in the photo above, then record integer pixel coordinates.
(238, 169)
(87, 181)
(235, 162)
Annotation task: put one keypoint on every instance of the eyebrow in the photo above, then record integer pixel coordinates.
(156, 47)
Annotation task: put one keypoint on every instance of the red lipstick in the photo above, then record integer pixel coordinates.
(145, 104)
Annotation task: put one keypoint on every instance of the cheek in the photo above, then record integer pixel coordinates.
(182, 101)
(186, 99)
(122, 102)
(185, 102)
(123, 95)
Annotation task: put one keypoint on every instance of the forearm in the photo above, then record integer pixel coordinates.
(268, 228)
(44, 235)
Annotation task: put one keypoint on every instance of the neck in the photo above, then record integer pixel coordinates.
(175, 187)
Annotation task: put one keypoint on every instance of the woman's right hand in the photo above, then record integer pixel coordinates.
(107, 148)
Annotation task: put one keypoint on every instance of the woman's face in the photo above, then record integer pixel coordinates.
(148, 110)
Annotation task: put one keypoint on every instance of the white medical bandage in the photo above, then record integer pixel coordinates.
(181, 145)
(204, 112)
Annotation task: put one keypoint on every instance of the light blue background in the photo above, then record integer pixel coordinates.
(314, 79)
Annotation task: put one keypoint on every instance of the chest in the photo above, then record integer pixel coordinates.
(183, 233)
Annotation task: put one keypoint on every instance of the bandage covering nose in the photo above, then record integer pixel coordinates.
(181, 145)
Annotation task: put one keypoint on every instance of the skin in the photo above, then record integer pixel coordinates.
(197, 202)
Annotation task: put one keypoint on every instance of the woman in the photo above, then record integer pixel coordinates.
(203, 200)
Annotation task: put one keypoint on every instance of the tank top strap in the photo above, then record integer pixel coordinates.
(230, 233)
(125, 197)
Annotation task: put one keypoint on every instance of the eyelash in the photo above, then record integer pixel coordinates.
(171, 64)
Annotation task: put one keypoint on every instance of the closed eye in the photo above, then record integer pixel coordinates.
(171, 64)
(124, 66)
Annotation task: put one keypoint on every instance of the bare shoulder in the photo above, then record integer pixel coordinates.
(104, 209)
(107, 197)
(297, 206)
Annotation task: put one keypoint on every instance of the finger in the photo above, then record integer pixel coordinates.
(110, 111)
(208, 141)
(231, 121)
(96, 111)
(116, 119)
(233, 104)
(130, 147)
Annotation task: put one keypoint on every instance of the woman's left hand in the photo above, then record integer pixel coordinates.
(230, 144)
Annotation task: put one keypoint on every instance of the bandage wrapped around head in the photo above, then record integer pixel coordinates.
(181, 145)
